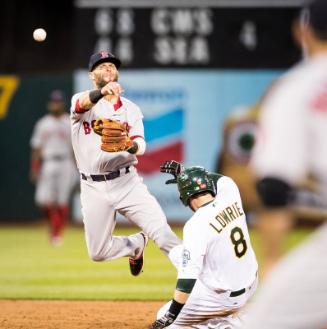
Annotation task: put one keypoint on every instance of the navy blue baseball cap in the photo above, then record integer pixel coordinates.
(316, 16)
(57, 96)
(102, 57)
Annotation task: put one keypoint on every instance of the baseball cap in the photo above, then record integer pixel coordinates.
(316, 11)
(57, 96)
(101, 57)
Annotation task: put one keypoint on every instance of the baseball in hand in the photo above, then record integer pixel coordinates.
(39, 35)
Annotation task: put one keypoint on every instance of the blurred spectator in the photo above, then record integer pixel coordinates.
(291, 146)
(52, 166)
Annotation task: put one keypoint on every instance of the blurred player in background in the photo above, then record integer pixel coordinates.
(52, 166)
(110, 183)
(217, 267)
(239, 134)
(293, 145)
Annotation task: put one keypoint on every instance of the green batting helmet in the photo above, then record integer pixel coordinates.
(192, 181)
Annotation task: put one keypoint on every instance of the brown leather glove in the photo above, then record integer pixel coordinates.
(114, 135)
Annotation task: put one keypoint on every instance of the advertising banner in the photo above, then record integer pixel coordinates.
(184, 112)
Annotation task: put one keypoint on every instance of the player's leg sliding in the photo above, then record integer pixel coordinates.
(136, 263)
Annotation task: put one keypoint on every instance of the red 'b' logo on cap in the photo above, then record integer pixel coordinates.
(104, 54)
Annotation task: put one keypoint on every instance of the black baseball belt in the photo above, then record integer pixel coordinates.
(104, 177)
(241, 291)
(56, 158)
(237, 293)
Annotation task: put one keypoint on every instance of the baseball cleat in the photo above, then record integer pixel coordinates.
(136, 264)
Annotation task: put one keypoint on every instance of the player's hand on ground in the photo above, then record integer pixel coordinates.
(112, 88)
(163, 322)
(171, 167)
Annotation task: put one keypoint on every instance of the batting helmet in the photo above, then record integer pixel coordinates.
(192, 181)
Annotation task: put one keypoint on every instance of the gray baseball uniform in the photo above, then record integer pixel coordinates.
(120, 190)
(58, 172)
(294, 295)
(292, 145)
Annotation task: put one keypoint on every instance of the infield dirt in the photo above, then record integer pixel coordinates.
(77, 314)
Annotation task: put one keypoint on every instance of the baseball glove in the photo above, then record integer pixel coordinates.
(114, 135)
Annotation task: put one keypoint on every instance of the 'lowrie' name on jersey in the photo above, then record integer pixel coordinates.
(228, 215)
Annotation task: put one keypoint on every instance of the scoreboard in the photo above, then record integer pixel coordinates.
(186, 37)
(148, 33)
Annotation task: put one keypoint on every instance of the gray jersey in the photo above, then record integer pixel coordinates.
(87, 144)
(292, 136)
(52, 136)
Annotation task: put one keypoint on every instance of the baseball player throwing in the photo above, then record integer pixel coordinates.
(107, 136)
(52, 165)
(217, 267)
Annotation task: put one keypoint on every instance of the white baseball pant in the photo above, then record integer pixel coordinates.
(206, 308)
(57, 178)
(130, 197)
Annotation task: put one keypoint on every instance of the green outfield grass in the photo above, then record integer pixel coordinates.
(30, 268)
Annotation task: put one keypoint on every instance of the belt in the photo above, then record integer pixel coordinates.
(104, 177)
(237, 293)
(57, 158)
(242, 291)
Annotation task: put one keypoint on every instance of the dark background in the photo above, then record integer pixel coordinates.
(71, 37)
(20, 54)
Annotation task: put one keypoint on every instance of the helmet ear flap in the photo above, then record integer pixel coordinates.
(184, 199)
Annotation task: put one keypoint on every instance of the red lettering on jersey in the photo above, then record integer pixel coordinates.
(87, 128)
(319, 103)
(127, 126)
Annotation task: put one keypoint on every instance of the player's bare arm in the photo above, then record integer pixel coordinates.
(180, 296)
(111, 91)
